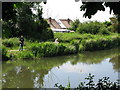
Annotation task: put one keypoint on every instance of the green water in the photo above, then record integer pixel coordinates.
(45, 72)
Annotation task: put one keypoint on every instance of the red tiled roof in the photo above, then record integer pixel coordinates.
(66, 22)
(53, 23)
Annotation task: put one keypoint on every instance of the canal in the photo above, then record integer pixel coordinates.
(46, 72)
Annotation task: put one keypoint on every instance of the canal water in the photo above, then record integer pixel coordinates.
(46, 72)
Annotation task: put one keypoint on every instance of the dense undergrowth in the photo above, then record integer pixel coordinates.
(93, 27)
(47, 49)
(69, 43)
(89, 36)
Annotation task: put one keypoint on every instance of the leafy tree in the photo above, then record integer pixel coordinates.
(115, 24)
(9, 19)
(92, 28)
(75, 24)
(25, 22)
(91, 8)
(107, 23)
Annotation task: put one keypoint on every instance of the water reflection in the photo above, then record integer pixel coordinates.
(116, 62)
(36, 73)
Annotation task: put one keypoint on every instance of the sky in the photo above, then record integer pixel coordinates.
(64, 9)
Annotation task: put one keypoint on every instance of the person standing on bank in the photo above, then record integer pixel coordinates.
(21, 40)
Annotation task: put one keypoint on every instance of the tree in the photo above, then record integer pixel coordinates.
(75, 24)
(24, 21)
(9, 19)
(115, 24)
(91, 8)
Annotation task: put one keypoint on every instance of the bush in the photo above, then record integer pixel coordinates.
(107, 23)
(68, 37)
(101, 43)
(24, 55)
(4, 50)
(11, 42)
(76, 44)
(4, 53)
(104, 31)
(48, 49)
(92, 27)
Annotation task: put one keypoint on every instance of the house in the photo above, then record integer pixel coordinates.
(53, 23)
(66, 23)
(60, 25)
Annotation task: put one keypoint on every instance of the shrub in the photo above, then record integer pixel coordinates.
(104, 31)
(48, 49)
(4, 53)
(11, 42)
(76, 44)
(4, 50)
(101, 43)
(91, 27)
(68, 37)
(74, 24)
(24, 55)
(107, 23)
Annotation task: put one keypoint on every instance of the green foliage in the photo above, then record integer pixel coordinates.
(70, 43)
(111, 28)
(92, 28)
(89, 42)
(104, 31)
(102, 84)
(8, 29)
(33, 26)
(75, 24)
(76, 44)
(25, 22)
(8, 11)
(91, 8)
(68, 37)
(115, 23)
(107, 23)
(101, 43)
(24, 55)
(48, 49)
(4, 53)
(11, 42)
(4, 50)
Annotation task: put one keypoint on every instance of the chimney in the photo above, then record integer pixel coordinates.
(50, 19)
(68, 21)
(44, 2)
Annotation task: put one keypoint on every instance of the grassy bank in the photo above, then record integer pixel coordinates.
(47, 49)
(69, 43)
(89, 42)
